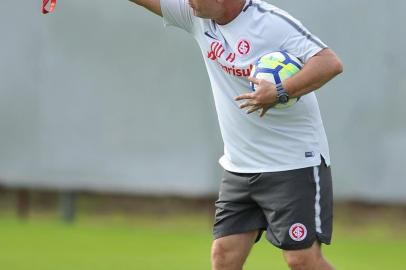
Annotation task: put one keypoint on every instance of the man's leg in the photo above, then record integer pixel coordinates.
(230, 252)
(307, 259)
(238, 220)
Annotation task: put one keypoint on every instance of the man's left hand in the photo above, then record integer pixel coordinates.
(263, 98)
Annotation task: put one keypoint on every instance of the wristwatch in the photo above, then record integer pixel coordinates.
(281, 94)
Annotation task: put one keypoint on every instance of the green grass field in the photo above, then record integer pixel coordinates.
(172, 242)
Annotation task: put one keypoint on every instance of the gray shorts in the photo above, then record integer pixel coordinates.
(294, 207)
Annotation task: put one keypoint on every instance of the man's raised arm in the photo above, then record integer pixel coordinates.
(152, 5)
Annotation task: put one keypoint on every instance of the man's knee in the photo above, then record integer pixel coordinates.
(230, 252)
(298, 261)
(306, 259)
(221, 255)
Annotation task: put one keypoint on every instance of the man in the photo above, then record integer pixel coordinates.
(277, 177)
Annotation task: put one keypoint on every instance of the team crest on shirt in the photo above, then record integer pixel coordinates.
(243, 47)
(298, 232)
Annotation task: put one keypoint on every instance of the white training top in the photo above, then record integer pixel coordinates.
(284, 139)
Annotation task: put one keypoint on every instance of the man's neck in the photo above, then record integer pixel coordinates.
(231, 12)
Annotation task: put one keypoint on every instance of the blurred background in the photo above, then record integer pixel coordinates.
(109, 138)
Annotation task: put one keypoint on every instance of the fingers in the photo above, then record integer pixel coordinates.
(248, 104)
(251, 103)
(256, 107)
(264, 110)
(262, 113)
(244, 96)
(253, 106)
(253, 109)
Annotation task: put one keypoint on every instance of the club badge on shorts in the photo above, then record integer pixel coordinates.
(298, 232)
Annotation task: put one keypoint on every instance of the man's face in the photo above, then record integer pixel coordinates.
(208, 9)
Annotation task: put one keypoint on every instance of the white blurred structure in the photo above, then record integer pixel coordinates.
(99, 96)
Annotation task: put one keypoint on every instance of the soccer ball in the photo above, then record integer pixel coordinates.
(276, 67)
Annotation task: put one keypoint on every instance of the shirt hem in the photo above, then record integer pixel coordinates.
(310, 163)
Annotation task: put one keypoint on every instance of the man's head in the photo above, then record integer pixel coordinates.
(221, 11)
